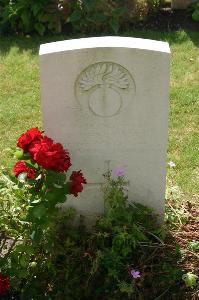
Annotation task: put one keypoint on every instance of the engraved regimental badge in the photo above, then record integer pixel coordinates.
(104, 85)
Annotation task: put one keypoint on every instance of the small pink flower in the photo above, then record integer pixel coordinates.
(119, 172)
(135, 274)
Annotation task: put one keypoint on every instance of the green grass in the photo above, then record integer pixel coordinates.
(20, 100)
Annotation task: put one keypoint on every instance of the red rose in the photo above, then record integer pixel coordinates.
(31, 135)
(77, 181)
(4, 284)
(30, 173)
(50, 155)
(20, 167)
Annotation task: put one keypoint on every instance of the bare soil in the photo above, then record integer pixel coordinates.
(168, 19)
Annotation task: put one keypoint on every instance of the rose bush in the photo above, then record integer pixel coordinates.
(39, 184)
(42, 154)
(47, 257)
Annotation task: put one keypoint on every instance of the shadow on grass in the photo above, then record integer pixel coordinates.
(32, 43)
(25, 43)
(194, 37)
(172, 37)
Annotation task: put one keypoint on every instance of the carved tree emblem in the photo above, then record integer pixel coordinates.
(104, 83)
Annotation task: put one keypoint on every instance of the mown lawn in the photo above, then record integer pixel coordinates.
(20, 100)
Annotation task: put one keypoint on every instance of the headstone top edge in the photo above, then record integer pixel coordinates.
(104, 42)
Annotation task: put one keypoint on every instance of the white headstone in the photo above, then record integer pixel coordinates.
(106, 100)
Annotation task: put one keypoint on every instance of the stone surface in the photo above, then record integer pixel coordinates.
(106, 100)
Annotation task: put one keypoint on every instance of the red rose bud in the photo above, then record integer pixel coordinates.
(31, 135)
(4, 284)
(50, 155)
(31, 173)
(77, 181)
(20, 167)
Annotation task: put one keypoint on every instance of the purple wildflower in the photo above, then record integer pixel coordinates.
(135, 274)
(119, 172)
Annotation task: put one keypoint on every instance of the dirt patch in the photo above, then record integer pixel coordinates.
(167, 19)
(181, 237)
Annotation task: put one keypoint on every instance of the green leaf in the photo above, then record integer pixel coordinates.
(44, 18)
(90, 5)
(195, 15)
(24, 261)
(114, 25)
(99, 17)
(21, 248)
(75, 16)
(26, 19)
(57, 195)
(26, 156)
(22, 273)
(193, 245)
(53, 178)
(118, 12)
(39, 211)
(190, 279)
(36, 8)
(40, 28)
(125, 287)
